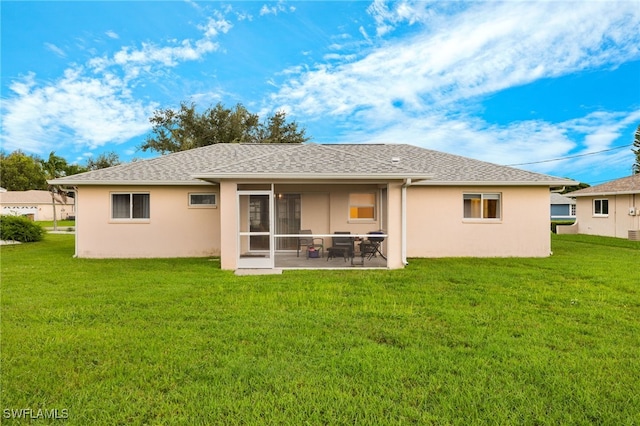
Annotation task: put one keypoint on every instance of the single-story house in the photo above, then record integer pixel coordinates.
(611, 209)
(249, 203)
(35, 204)
(562, 207)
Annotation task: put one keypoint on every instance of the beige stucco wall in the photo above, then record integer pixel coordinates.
(325, 208)
(436, 227)
(616, 224)
(228, 217)
(173, 230)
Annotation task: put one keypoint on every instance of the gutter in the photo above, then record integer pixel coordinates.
(78, 182)
(549, 183)
(310, 176)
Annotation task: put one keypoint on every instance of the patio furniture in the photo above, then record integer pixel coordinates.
(341, 246)
(372, 246)
(307, 242)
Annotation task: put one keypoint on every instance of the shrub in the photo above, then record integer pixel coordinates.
(18, 228)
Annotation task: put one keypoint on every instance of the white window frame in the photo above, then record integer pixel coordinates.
(482, 197)
(130, 218)
(373, 206)
(203, 206)
(599, 213)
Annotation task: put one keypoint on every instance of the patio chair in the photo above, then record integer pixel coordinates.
(373, 245)
(309, 241)
(341, 246)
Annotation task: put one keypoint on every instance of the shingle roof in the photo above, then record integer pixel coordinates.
(561, 199)
(31, 197)
(626, 185)
(313, 161)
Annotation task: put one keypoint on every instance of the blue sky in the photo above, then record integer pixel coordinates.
(508, 82)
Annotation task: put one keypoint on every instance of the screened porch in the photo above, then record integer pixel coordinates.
(303, 226)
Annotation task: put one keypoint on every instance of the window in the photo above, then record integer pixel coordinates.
(362, 206)
(130, 206)
(601, 207)
(481, 206)
(205, 199)
(573, 210)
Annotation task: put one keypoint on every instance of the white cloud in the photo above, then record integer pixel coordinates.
(275, 9)
(388, 15)
(92, 105)
(481, 51)
(55, 49)
(417, 88)
(216, 25)
(84, 111)
(168, 56)
(112, 34)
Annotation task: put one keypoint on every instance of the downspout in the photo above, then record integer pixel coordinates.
(403, 219)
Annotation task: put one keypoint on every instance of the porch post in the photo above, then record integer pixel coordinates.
(394, 226)
(228, 225)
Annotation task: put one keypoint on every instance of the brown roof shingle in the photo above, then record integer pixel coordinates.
(327, 161)
(626, 185)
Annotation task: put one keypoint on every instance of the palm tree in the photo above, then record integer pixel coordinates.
(54, 167)
(636, 151)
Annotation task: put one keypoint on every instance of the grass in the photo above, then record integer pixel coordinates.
(444, 341)
(61, 223)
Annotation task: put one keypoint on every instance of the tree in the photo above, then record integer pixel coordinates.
(636, 151)
(103, 161)
(55, 167)
(275, 129)
(185, 128)
(581, 185)
(21, 172)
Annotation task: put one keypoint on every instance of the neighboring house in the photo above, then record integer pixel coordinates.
(611, 209)
(562, 207)
(247, 203)
(35, 204)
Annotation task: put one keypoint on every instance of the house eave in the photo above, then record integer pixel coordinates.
(550, 183)
(310, 177)
(603, 194)
(121, 182)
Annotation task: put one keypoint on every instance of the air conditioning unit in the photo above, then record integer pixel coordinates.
(634, 234)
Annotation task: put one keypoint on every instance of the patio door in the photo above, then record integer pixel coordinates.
(255, 236)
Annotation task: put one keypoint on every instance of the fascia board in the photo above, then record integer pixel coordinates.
(603, 194)
(497, 183)
(310, 176)
(72, 182)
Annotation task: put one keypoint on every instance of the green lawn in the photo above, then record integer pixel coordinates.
(444, 341)
(61, 223)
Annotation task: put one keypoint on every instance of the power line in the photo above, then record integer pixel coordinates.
(571, 156)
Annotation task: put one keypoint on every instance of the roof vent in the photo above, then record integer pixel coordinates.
(395, 160)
